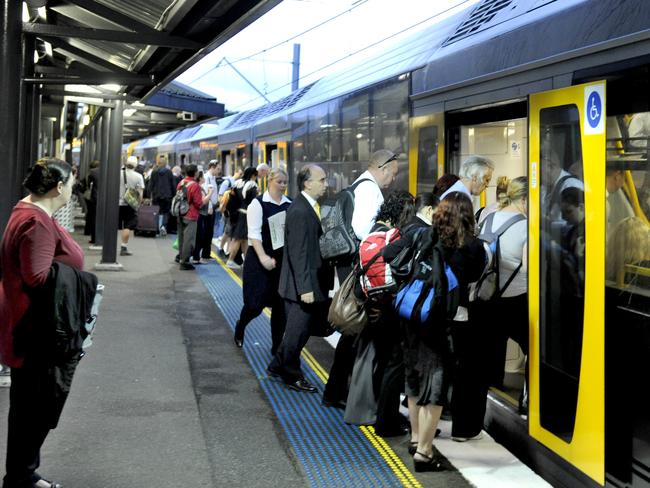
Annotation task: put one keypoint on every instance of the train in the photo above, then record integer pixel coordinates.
(544, 88)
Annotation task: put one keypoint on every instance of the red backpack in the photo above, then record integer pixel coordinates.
(376, 275)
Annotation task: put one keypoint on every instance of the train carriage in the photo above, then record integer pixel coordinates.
(545, 89)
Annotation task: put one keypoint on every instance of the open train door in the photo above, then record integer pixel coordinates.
(567, 274)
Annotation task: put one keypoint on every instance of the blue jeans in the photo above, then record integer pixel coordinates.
(219, 222)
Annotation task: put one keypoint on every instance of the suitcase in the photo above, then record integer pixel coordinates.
(147, 220)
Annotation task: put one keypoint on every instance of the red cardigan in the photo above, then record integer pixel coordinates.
(32, 242)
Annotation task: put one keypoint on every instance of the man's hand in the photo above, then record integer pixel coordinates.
(307, 297)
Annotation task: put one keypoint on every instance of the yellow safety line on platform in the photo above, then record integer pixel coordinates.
(385, 451)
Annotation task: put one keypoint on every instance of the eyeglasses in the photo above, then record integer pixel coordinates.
(391, 159)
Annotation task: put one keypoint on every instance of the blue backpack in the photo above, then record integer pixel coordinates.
(432, 294)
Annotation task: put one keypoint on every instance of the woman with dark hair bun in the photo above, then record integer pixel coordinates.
(33, 241)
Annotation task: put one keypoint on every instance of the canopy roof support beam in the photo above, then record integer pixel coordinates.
(146, 38)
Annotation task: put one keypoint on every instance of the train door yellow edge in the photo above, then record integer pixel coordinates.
(567, 130)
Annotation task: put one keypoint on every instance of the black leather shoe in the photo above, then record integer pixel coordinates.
(302, 385)
(334, 404)
(273, 373)
(239, 336)
(186, 266)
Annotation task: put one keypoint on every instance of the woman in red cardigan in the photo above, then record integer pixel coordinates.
(32, 241)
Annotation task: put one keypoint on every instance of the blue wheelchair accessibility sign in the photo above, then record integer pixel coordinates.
(594, 109)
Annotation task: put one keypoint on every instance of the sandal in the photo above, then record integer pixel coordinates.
(413, 445)
(431, 464)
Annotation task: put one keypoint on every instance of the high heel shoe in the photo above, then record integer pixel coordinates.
(239, 336)
(431, 464)
(413, 445)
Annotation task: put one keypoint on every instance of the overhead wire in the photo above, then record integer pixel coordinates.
(250, 56)
(358, 51)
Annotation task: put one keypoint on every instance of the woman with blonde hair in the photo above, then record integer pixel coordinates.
(513, 275)
(264, 259)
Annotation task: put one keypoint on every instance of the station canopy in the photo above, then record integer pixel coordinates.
(132, 47)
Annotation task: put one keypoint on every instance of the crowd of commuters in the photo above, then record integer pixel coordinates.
(276, 239)
(449, 366)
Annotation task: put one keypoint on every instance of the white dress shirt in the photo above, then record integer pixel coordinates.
(212, 180)
(312, 202)
(460, 187)
(367, 201)
(255, 216)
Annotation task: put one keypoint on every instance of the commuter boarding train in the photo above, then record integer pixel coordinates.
(555, 90)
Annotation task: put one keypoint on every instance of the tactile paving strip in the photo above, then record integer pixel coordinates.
(332, 453)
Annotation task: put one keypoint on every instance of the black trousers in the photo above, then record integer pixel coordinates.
(278, 319)
(28, 428)
(338, 384)
(287, 359)
(470, 381)
(208, 234)
(91, 216)
(392, 385)
(203, 242)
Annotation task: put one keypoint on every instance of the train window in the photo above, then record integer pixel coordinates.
(318, 134)
(427, 158)
(390, 117)
(628, 207)
(355, 115)
(562, 267)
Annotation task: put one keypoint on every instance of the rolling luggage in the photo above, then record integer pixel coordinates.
(147, 220)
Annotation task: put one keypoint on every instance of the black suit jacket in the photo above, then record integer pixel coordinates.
(303, 270)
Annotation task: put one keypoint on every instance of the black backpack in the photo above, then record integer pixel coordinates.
(488, 285)
(180, 203)
(338, 239)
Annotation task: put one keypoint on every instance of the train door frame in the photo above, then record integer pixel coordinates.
(586, 449)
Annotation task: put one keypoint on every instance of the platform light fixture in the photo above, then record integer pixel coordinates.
(129, 112)
(26, 17)
(42, 12)
(48, 48)
(86, 120)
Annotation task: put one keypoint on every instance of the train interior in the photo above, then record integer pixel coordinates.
(627, 279)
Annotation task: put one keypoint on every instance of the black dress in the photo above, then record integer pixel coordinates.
(260, 286)
(240, 226)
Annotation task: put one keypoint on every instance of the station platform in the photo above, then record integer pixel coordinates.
(163, 398)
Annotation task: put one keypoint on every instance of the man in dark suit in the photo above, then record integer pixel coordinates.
(305, 279)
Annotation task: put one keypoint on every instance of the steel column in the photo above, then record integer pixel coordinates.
(10, 59)
(109, 249)
(32, 154)
(100, 218)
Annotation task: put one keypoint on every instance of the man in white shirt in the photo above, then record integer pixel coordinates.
(128, 217)
(475, 175)
(381, 173)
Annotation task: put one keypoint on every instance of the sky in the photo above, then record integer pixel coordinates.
(336, 30)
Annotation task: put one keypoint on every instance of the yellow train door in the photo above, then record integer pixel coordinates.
(566, 274)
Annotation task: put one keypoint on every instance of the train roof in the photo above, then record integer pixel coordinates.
(502, 36)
